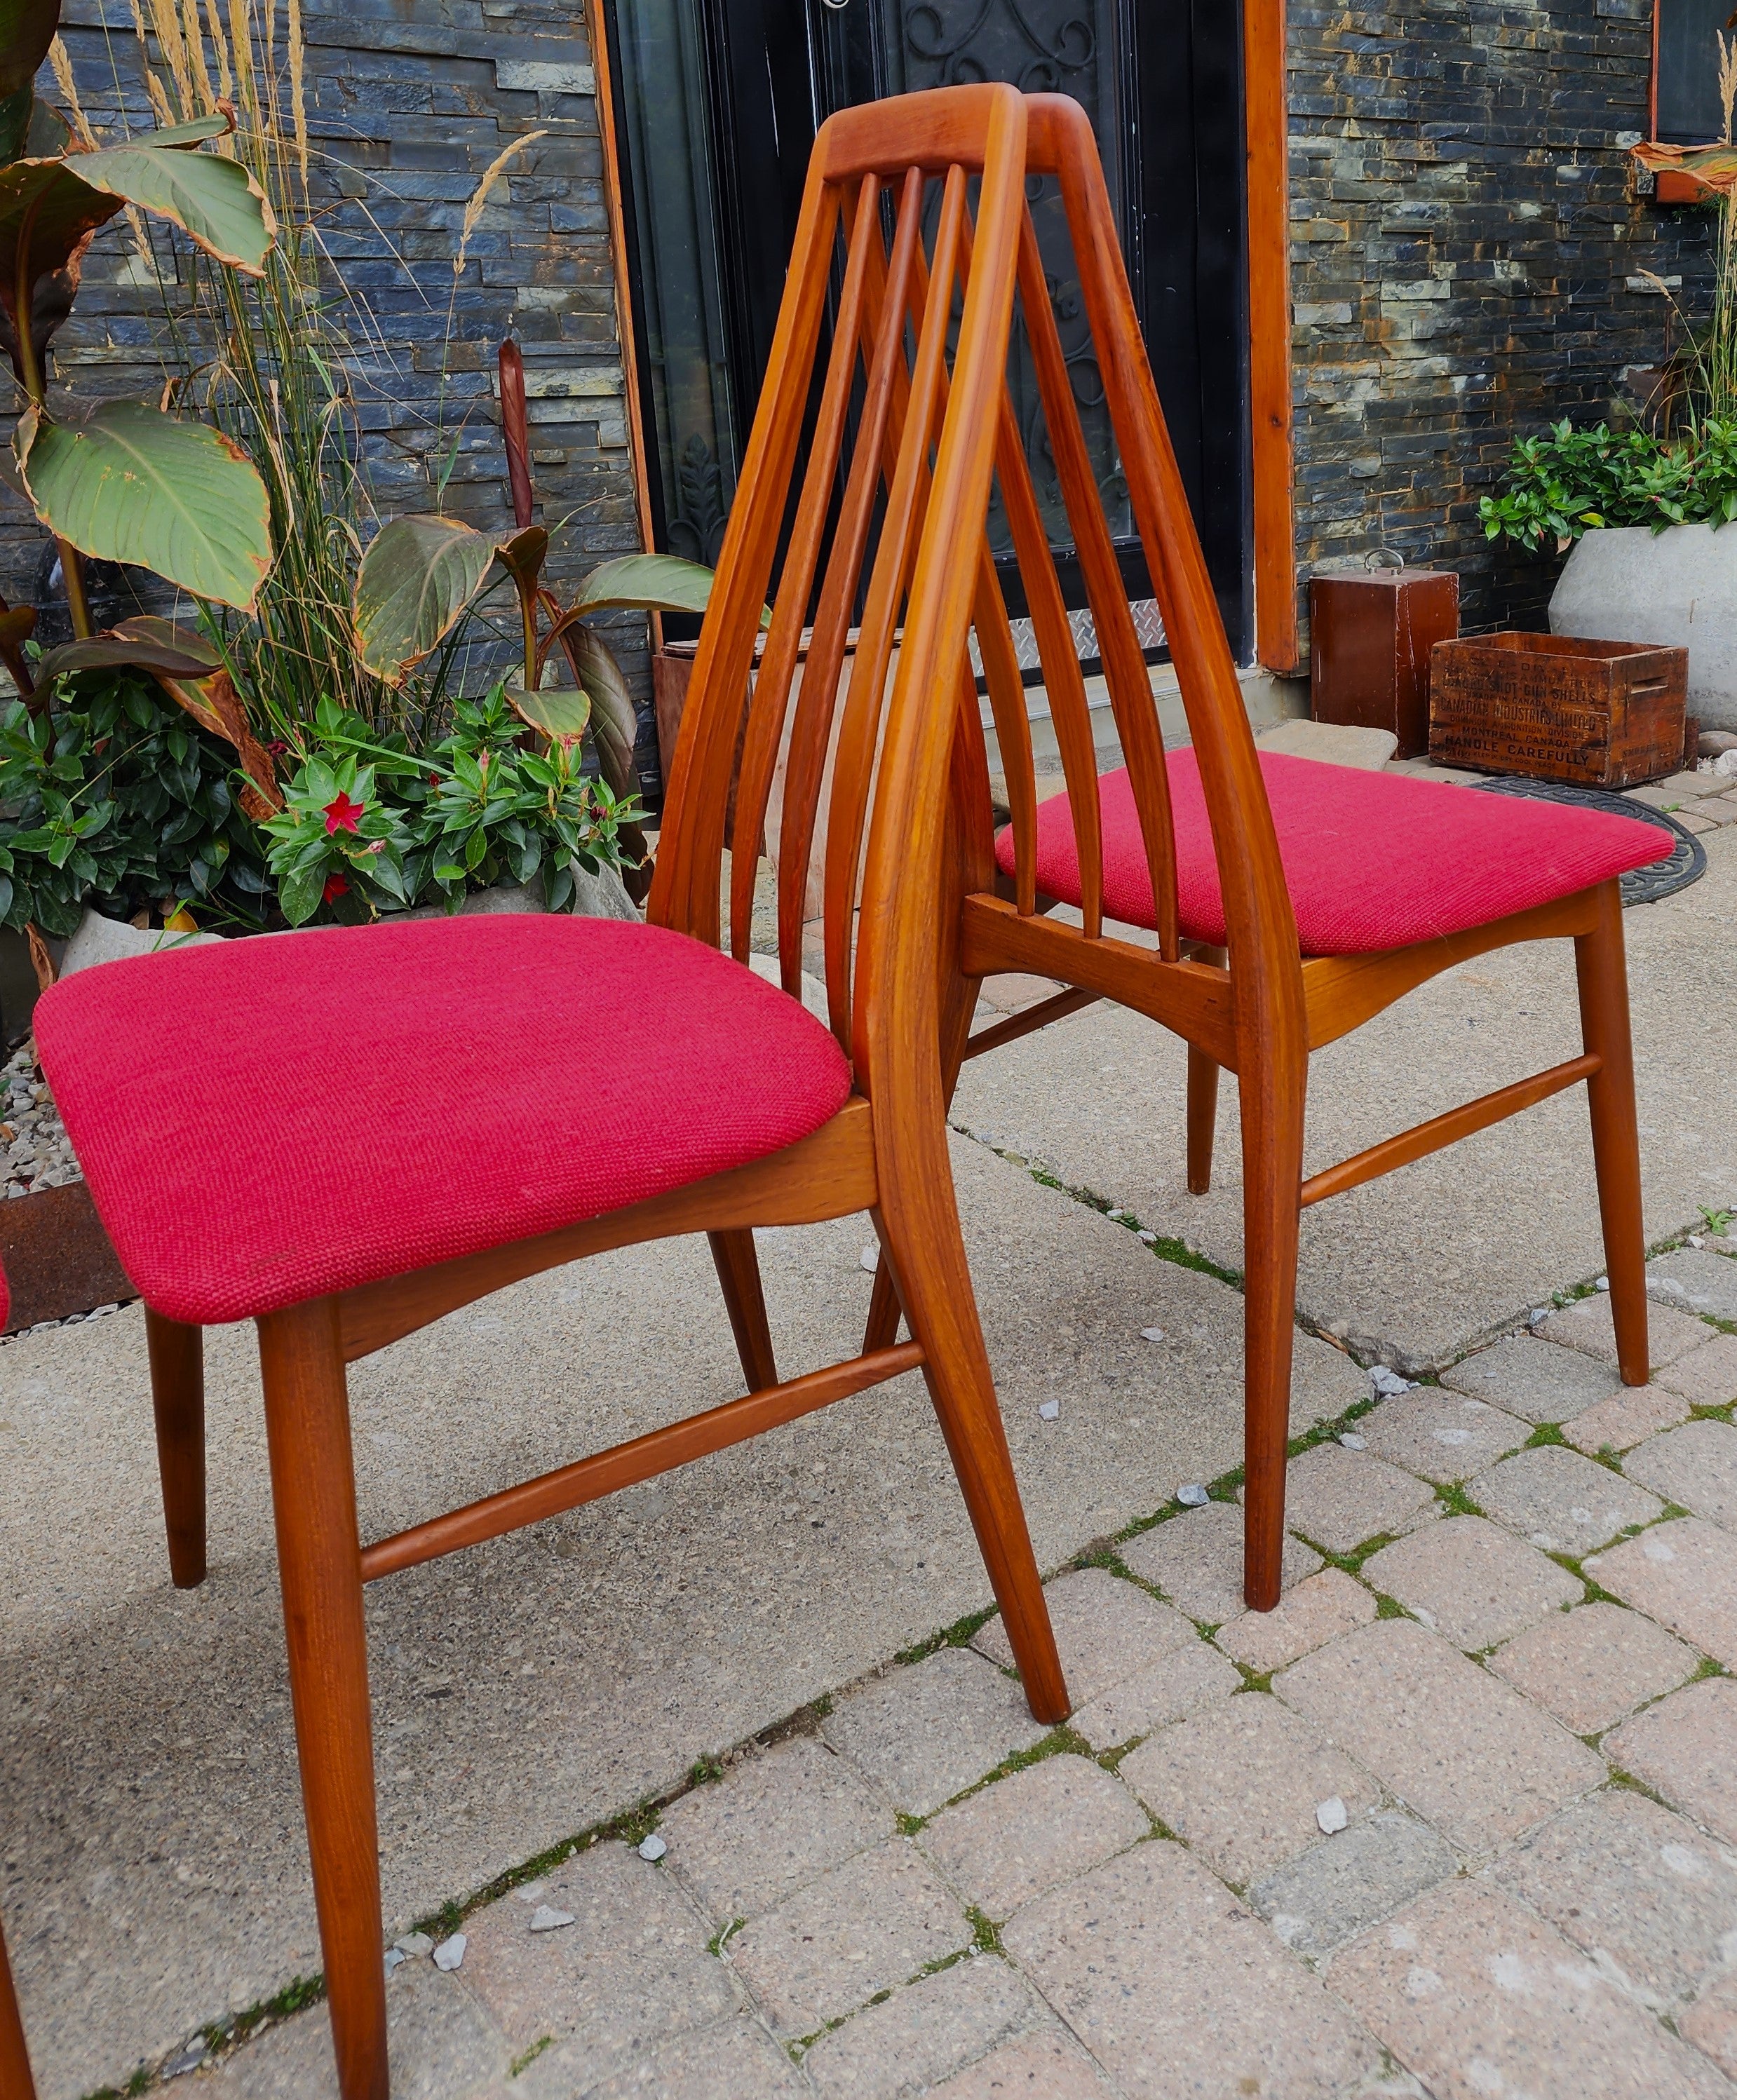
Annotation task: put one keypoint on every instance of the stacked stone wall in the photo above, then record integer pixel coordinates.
(1472, 261)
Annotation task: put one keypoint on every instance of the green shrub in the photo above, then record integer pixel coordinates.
(112, 795)
(1571, 482)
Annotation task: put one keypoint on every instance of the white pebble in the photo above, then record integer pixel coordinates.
(189, 2059)
(1150, 1238)
(1151, 1334)
(1694, 1239)
(1602, 1284)
(415, 1943)
(395, 1958)
(652, 1847)
(1353, 1442)
(1388, 1384)
(543, 1919)
(870, 1259)
(450, 1952)
(1331, 1815)
(1049, 1410)
(1194, 1496)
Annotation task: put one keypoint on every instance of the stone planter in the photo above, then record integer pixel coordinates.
(1677, 588)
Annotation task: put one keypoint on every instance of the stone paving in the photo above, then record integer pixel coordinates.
(1458, 1819)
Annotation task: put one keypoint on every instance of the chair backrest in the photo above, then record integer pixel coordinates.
(890, 516)
(1260, 929)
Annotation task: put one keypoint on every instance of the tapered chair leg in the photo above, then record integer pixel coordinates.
(1203, 1119)
(739, 1272)
(1272, 1130)
(14, 2058)
(313, 1493)
(177, 1356)
(885, 1312)
(934, 1286)
(1603, 977)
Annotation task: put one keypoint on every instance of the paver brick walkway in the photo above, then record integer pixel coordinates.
(1459, 1818)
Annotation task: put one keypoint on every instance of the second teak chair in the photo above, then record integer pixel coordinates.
(1288, 900)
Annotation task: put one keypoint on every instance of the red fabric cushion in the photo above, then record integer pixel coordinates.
(265, 1121)
(1372, 860)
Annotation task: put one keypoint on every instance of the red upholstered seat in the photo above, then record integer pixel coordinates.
(1372, 860)
(265, 1121)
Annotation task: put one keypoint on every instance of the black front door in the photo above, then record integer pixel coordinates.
(718, 105)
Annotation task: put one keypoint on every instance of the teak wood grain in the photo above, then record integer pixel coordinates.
(1254, 1006)
(890, 516)
(15, 2082)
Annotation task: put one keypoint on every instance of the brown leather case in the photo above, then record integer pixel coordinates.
(1370, 639)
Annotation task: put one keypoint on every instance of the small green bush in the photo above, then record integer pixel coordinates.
(1571, 482)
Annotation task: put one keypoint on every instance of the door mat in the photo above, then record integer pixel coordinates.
(1640, 885)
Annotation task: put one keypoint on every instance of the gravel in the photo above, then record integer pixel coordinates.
(33, 1137)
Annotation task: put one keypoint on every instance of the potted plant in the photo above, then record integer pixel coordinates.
(1641, 512)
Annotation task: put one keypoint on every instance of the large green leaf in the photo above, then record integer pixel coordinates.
(27, 29)
(144, 645)
(414, 584)
(560, 712)
(135, 485)
(647, 583)
(62, 201)
(420, 577)
(614, 724)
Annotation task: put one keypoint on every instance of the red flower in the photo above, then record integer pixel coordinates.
(336, 886)
(340, 813)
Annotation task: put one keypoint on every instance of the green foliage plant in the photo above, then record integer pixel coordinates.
(129, 482)
(369, 827)
(111, 795)
(1569, 482)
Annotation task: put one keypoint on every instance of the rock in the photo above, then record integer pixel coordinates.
(652, 1847)
(1151, 1334)
(1388, 1382)
(1048, 1410)
(870, 1259)
(1332, 1815)
(1716, 743)
(1332, 743)
(1194, 1496)
(1353, 1442)
(1150, 1238)
(415, 1943)
(188, 2059)
(602, 896)
(543, 1919)
(100, 940)
(450, 1952)
(395, 1958)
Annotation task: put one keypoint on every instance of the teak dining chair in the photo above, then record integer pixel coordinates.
(265, 1124)
(1290, 900)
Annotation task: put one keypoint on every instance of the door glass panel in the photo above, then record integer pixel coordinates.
(680, 293)
(1072, 47)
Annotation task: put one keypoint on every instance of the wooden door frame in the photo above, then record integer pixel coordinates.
(1266, 104)
(1266, 119)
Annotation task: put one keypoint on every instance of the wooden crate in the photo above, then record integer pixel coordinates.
(1554, 707)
